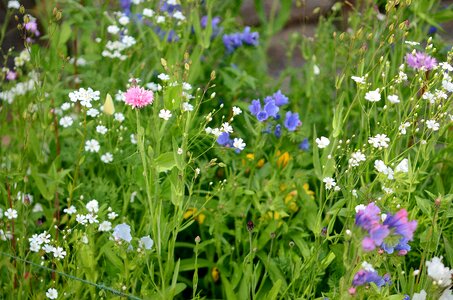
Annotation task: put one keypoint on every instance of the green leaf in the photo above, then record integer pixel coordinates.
(165, 162)
(274, 291)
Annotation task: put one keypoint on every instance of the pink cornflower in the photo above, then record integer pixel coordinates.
(421, 60)
(138, 97)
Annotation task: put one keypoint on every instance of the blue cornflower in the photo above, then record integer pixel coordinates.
(126, 6)
(279, 98)
(224, 139)
(304, 145)
(291, 121)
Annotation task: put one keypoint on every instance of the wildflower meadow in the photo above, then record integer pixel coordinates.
(148, 150)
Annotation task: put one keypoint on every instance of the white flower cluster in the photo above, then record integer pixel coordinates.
(91, 217)
(438, 272)
(85, 96)
(116, 48)
(42, 242)
(356, 158)
(21, 88)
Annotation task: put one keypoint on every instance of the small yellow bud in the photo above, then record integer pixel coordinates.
(109, 107)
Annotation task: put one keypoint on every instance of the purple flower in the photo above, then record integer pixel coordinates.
(291, 121)
(255, 107)
(420, 60)
(368, 217)
(377, 235)
(367, 276)
(224, 139)
(11, 75)
(262, 116)
(122, 232)
(304, 145)
(271, 109)
(126, 6)
(250, 38)
(278, 131)
(279, 98)
(214, 25)
(170, 8)
(232, 41)
(401, 224)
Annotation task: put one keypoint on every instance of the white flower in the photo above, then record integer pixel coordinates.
(356, 158)
(316, 70)
(65, 106)
(124, 20)
(236, 111)
(81, 219)
(107, 158)
(379, 141)
(119, 117)
(11, 213)
(160, 19)
(359, 208)
(367, 266)
(71, 210)
(186, 86)
(13, 4)
(393, 99)
(92, 218)
(179, 16)
(112, 215)
(403, 126)
(226, 127)
(105, 226)
(186, 106)
(446, 295)
(432, 124)
(329, 182)
(446, 66)
(148, 12)
(113, 29)
(387, 191)
(52, 293)
(438, 272)
(322, 142)
(155, 87)
(197, 171)
(34, 247)
(37, 208)
(447, 85)
(419, 296)
(403, 166)
(163, 77)
(92, 146)
(373, 96)
(101, 129)
(48, 248)
(354, 193)
(381, 167)
(239, 144)
(66, 121)
(122, 232)
(180, 151)
(430, 97)
(165, 114)
(359, 80)
(133, 139)
(59, 253)
(92, 206)
(93, 112)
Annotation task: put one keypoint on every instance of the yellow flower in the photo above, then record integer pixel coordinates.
(200, 217)
(283, 160)
(290, 201)
(308, 191)
(251, 157)
(215, 274)
(109, 108)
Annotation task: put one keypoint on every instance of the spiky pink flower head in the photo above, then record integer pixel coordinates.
(421, 60)
(138, 97)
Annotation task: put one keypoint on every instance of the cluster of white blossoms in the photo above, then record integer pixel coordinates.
(91, 217)
(356, 158)
(21, 88)
(438, 272)
(43, 242)
(379, 141)
(116, 48)
(84, 96)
